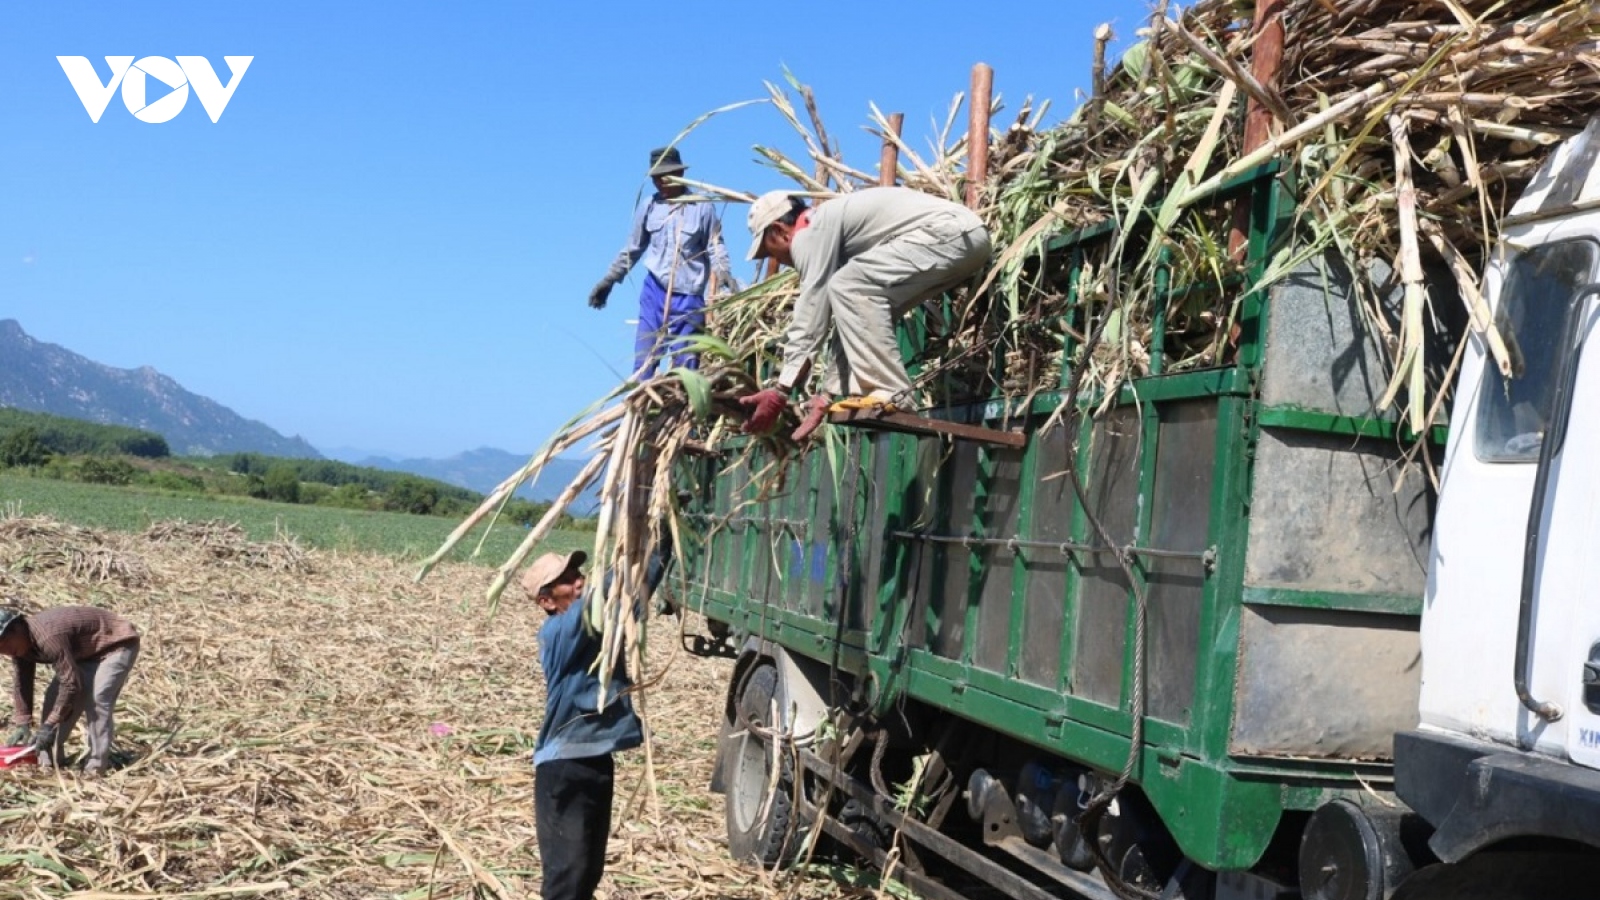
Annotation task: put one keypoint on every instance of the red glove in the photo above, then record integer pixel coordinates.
(765, 408)
(816, 411)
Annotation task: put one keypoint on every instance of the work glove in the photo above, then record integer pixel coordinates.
(597, 297)
(44, 740)
(765, 407)
(19, 736)
(815, 413)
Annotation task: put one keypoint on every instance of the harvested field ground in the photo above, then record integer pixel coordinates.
(314, 724)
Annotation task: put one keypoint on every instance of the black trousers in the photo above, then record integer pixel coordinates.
(572, 812)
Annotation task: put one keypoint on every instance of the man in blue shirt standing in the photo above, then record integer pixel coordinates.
(574, 773)
(680, 241)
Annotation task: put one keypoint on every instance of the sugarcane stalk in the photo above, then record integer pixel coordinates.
(841, 172)
(1228, 67)
(546, 523)
(1544, 137)
(614, 459)
(714, 192)
(1349, 106)
(827, 150)
(1471, 296)
(1199, 161)
(1097, 79)
(788, 168)
(1409, 371)
(784, 107)
(563, 441)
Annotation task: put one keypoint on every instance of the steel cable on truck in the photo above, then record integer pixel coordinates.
(1095, 809)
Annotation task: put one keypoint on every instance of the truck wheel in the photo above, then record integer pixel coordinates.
(857, 817)
(759, 814)
(1507, 875)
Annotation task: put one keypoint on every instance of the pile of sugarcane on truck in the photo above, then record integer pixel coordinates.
(1219, 632)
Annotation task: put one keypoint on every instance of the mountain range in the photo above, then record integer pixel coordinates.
(483, 469)
(49, 378)
(44, 377)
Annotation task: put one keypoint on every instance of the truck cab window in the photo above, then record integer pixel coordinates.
(1531, 318)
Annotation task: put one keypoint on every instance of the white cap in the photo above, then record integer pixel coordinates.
(765, 212)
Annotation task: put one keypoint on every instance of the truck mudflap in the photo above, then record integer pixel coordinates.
(1477, 794)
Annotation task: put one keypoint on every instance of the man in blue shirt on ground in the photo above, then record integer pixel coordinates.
(574, 773)
(680, 241)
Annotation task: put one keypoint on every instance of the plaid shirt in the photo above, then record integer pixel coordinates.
(63, 637)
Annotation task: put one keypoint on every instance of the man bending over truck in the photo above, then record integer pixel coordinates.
(864, 259)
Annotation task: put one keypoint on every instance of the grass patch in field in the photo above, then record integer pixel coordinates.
(327, 528)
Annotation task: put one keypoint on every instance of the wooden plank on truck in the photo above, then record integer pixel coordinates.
(906, 423)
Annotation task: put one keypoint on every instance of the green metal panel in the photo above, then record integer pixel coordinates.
(1019, 573)
(1398, 604)
(1218, 627)
(1354, 426)
(1217, 817)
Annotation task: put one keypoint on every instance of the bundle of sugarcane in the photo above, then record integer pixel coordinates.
(1408, 136)
(640, 432)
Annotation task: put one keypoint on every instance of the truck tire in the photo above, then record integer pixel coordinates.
(1507, 875)
(760, 818)
(857, 817)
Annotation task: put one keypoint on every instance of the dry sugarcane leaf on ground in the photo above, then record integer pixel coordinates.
(340, 732)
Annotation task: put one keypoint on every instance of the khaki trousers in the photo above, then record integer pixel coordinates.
(870, 293)
(102, 679)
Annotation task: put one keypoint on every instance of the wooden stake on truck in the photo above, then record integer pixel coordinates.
(889, 159)
(978, 132)
(1266, 58)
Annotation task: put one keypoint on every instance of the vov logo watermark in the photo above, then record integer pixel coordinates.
(133, 78)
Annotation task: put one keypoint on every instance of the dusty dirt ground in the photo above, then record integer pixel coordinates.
(318, 725)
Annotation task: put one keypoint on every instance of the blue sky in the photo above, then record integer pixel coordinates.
(387, 240)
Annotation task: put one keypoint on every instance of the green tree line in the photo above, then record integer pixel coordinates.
(74, 450)
(58, 434)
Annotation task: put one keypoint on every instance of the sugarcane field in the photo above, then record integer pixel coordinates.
(1199, 511)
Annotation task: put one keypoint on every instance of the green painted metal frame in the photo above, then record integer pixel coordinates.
(1353, 426)
(1222, 810)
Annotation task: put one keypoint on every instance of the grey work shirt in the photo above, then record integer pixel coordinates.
(840, 230)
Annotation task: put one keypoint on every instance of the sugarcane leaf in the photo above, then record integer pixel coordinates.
(707, 345)
(1120, 115)
(1114, 321)
(696, 387)
(38, 861)
(1135, 58)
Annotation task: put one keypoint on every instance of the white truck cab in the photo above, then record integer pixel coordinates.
(1508, 745)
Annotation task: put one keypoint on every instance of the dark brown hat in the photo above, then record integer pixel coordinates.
(666, 161)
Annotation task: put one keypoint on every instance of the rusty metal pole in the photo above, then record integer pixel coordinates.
(889, 159)
(1266, 61)
(978, 132)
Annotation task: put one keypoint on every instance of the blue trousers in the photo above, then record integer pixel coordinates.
(664, 319)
